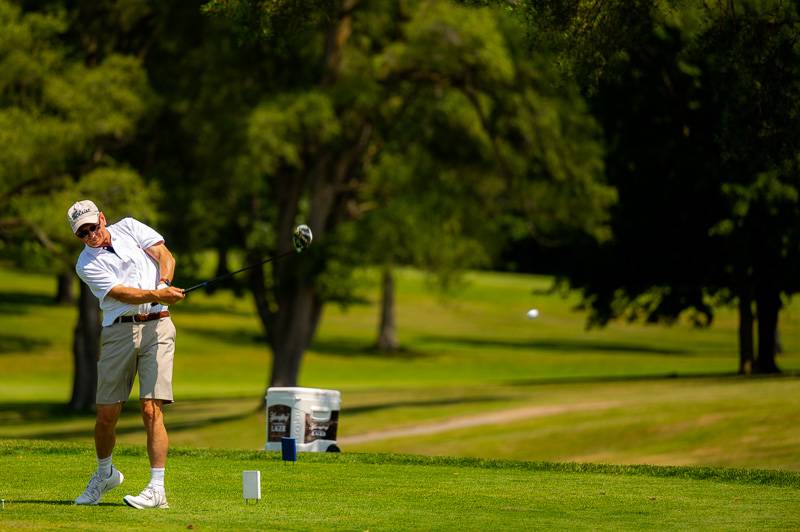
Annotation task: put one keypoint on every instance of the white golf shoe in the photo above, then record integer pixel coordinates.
(98, 486)
(150, 497)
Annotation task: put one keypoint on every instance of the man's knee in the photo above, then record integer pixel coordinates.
(151, 411)
(107, 416)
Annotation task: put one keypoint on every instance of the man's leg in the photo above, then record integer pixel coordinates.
(105, 433)
(155, 389)
(106, 477)
(157, 440)
(153, 495)
(116, 369)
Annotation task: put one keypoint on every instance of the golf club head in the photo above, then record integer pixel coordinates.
(301, 238)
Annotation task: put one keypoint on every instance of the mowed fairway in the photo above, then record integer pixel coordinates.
(475, 378)
(390, 492)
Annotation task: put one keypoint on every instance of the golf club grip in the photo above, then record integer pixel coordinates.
(195, 287)
(187, 290)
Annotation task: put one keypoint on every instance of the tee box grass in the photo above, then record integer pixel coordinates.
(389, 492)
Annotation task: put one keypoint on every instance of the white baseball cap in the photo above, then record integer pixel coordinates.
(83, 212)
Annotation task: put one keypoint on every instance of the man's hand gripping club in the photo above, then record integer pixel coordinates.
(135, 296)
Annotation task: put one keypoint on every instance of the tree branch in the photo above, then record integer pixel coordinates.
(24, 185)
(8, 225)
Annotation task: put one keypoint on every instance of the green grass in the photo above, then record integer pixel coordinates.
(629, 394)
(390, 492)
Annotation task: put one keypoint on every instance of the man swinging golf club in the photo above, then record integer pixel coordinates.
(129, 270)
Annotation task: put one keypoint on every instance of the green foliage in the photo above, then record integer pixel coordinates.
(288, 128)
(417, 212)
(391, 124)
(60, 122)
(482, 128)
(699, 107)
(758, 94)
(451, 44)
(588, 38)
(106, 101)
(34, 149)
(658, 158)
(117, 191)
(279, 22)
(430, 81)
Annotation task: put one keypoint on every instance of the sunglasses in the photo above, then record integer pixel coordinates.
(83, 233)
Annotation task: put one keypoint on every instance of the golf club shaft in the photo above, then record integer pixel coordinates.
(231, 274)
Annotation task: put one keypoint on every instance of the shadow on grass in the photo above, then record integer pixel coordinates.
(561, 345)
(19, 302)
(55, 503)
(130, 424)
(353, 348)
(11, 343)
(227, 336)
(22, 413)
(640, 378)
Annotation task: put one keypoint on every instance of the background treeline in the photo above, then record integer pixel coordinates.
(645, 152)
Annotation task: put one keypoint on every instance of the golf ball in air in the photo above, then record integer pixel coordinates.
(533, 313)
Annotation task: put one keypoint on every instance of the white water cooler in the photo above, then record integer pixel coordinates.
(309, 415)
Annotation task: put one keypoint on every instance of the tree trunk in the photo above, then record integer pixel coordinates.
(745, 334)
(291, 317)
(85, 351)
(288, 325)
(387, 341)
(299, 308)
(768, 304)
(335, 40)
(222, 268)
(64, 293)
(293, 334)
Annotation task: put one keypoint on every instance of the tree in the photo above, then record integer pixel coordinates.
(314, 142)
(753, 66)
(658, 145)
(700, 133)
(519, 149)
(60, 122)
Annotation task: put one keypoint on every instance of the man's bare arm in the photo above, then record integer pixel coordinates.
(166, 269)
(137, 296)
(165, 260)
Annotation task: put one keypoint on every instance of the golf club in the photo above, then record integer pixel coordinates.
(301, 239)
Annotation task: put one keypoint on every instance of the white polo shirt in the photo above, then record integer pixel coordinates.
(128, 265)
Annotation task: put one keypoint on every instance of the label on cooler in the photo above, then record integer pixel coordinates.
(321, 430)
(279, 419)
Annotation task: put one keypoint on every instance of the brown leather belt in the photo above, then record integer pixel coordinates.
(138, 318)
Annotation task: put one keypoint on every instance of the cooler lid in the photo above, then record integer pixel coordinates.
(302, 391)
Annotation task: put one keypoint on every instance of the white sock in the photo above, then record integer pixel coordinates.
(157, 477)
(104, 467)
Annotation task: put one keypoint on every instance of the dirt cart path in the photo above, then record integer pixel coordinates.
(489, 418)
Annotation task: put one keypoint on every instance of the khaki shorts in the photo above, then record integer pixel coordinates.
(146, 348)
